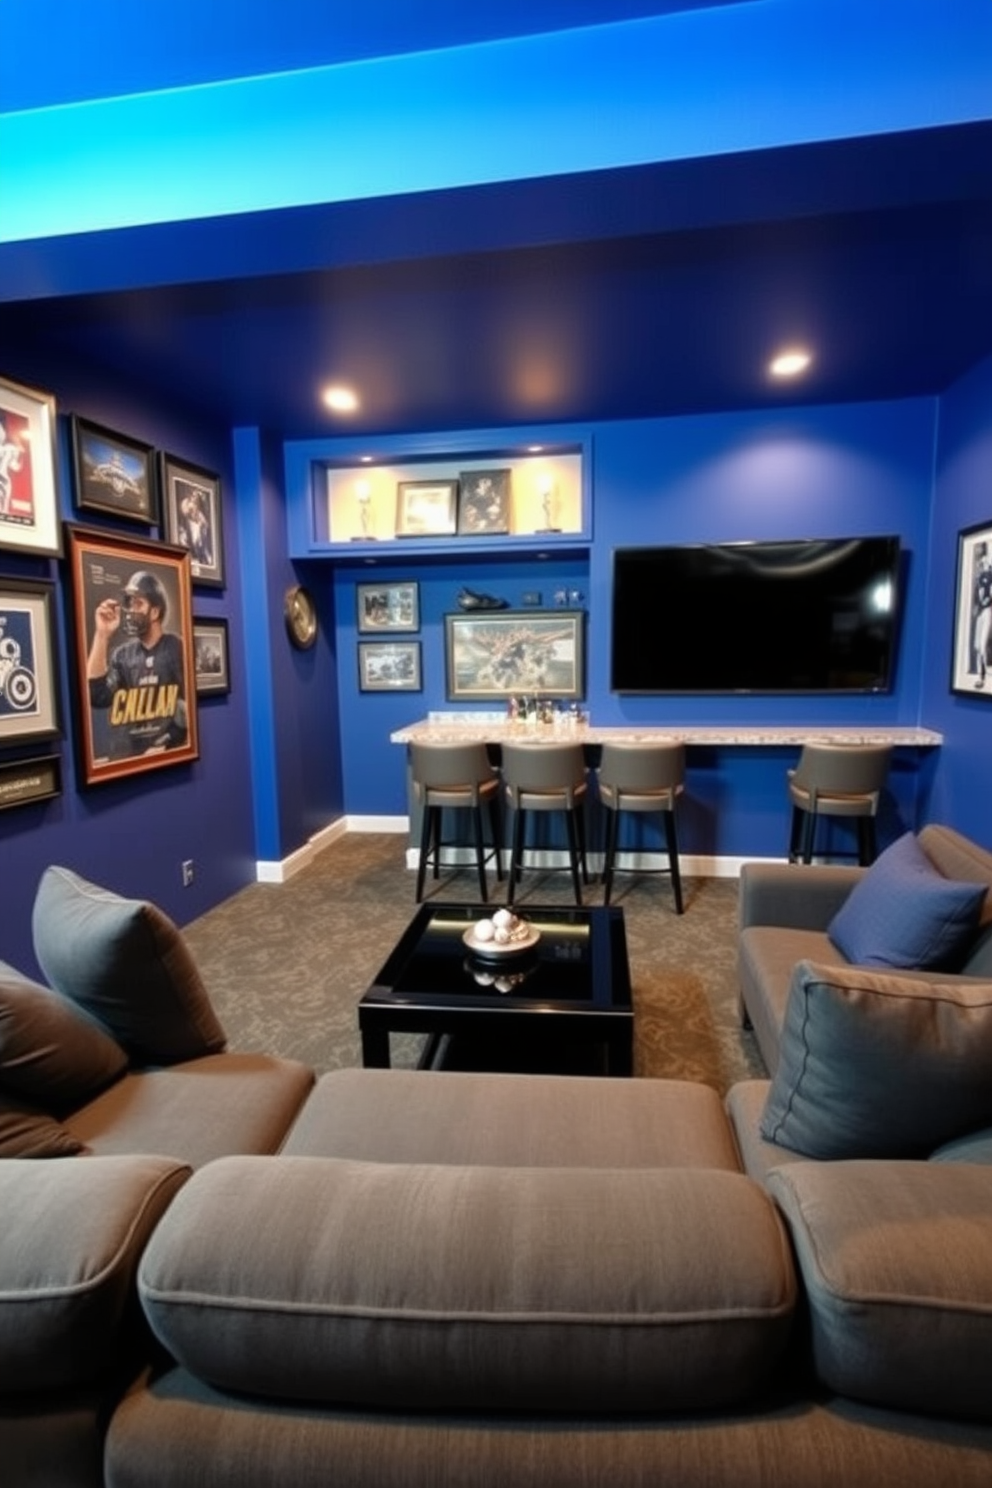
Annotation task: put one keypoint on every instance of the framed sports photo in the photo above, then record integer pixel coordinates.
(385, 608)
(426, 508)
(114, 473)
(29, 508)
(29, 691)
(497, 654)
(971, 666)
(211, 655)
(192, 518)
(484, 502)
(389, 666)
(134, 663)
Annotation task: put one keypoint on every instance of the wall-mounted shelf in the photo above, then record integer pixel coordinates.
(344, 496)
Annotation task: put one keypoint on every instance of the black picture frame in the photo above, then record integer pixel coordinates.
(131, 719)
(971, 658)
(193, 517)
(29, 675)
(25, 782)
(113, 473)
(389, 666)
(484, 502)
(388, 609)
(505, 653)
(29, 506)
(211, 657)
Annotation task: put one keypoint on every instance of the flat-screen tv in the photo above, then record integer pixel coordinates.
(818, 615)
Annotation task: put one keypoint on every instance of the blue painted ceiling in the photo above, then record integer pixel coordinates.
(643, 291)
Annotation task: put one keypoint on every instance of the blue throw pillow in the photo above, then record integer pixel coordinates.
(904, 913)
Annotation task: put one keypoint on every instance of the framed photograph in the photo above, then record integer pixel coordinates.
(29, 508)
(134, 664)
(971, 667)
(113, 473)
(389, 666)
(484, 502)
(29, 690)
(22, 782)
(496, 654)
(388, 607)
(426, 508)
(192, 518)
(211, 659)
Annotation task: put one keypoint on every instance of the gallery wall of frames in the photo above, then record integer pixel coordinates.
(139, 659)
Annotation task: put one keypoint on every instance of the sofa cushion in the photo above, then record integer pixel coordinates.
(51, 1051)
(905, 913)
(70, 1241)
(28, 1131)
(873, 1064)
(439, 1286)
(125, 962)
(897, 1264)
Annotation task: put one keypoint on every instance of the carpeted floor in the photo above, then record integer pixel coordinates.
(286, 964)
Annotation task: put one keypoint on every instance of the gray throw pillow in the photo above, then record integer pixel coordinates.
(873, 1064)
(50, 1051)
(125, 962)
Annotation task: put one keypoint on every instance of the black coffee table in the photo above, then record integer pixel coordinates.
(571, 990)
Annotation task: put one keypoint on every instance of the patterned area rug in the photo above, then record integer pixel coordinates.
(286, 964)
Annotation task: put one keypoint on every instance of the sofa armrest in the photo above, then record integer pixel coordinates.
(793, 896)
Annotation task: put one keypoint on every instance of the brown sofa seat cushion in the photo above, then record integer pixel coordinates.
(513, 1120)
(430, 1285)
(207, 1108)
(897, 1264)
(128, 965)
(71, 1236)
(28, 1131)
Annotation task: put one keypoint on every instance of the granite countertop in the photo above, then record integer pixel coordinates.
(494, 728)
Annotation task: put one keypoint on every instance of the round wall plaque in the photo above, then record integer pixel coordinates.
(301, 617)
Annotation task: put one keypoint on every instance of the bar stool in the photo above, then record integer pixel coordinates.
(546, 777)
(642, 778)
(836, 780)
(459, 777)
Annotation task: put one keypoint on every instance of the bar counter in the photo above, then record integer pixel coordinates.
(493, 728)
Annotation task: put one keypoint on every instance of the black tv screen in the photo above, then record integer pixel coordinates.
(818, 615)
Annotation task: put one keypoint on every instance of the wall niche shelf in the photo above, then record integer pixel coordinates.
(381, 501)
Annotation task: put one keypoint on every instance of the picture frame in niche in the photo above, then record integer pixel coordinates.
(211, 657)
(193, 517)
(484, 502)
(113, 473)
(25, 782)
(29, 508)
(426, 508)
(971, 665)
(385, 609)
(389, 666)
(29, 689)
(498, 654)
(135, 676)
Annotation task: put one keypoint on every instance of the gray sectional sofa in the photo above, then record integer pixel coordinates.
(522, 1280)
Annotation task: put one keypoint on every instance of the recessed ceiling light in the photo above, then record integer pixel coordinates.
(340, 399)
(790, 363)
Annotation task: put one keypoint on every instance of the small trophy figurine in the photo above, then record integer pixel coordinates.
(364, 498)
(547, 490)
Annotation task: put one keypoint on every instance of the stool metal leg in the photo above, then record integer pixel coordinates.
(480, 852)
(611, 852)
(427, 830)
(573, 853)
(516, 854)
(672, 838)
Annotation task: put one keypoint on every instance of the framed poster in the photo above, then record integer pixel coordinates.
(114, 473)
(193, 518)
(211, 656)
(496, 654)
(426, 508)
(384, 608)
(23, 782)
(134, 655)
(29, 509)
(484, 502)
(389, 666)
(971, 666)
(29, 692)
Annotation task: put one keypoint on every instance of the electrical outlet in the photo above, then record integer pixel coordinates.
(187, 872)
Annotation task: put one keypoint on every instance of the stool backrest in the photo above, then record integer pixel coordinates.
(450, 766)
(843, 770)
(543, 768)
(643, 768)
